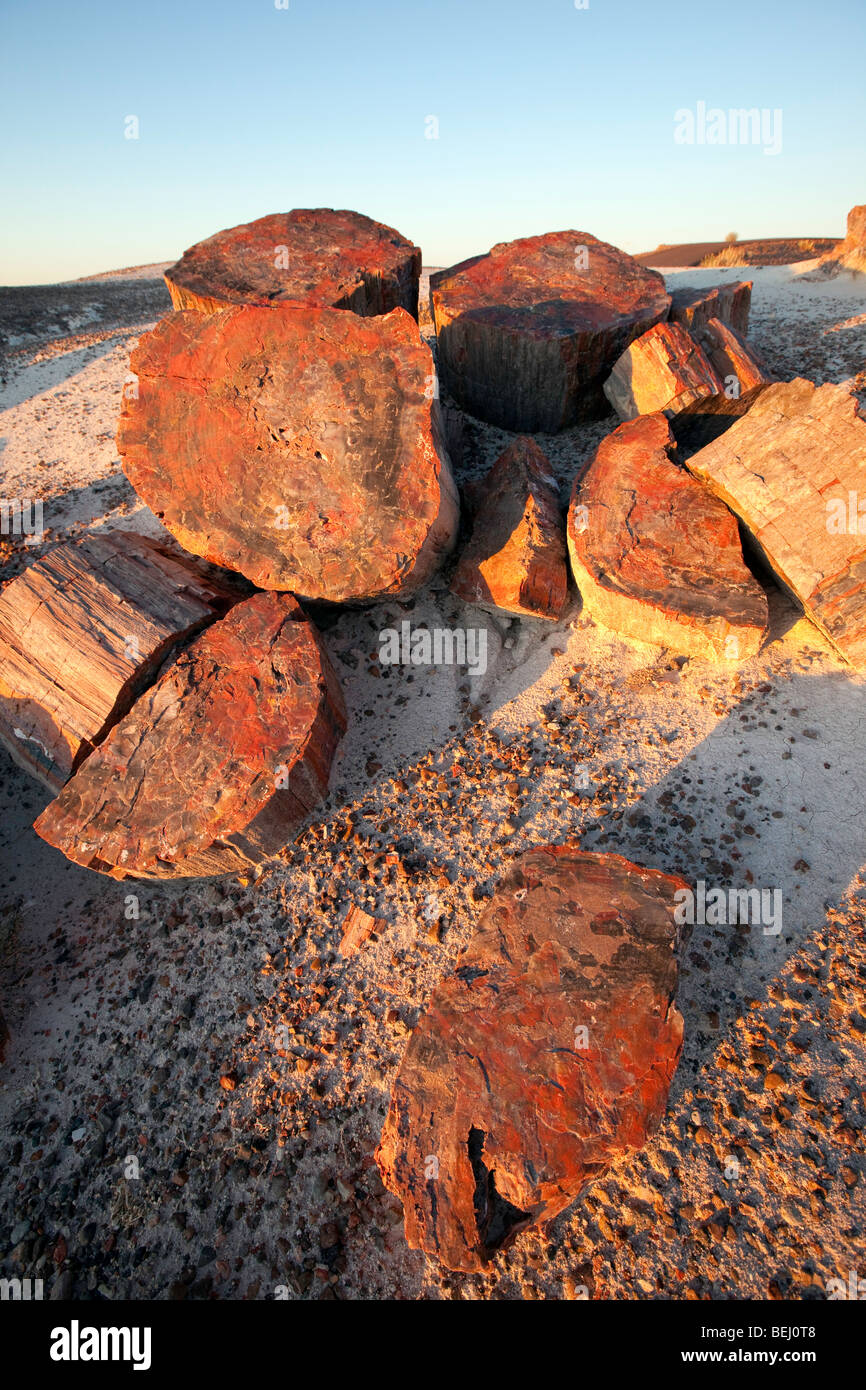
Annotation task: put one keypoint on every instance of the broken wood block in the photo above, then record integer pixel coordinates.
(657, 557)
(850, 253)
(792, 469)
(82, 632)
(527, 334)
(743, 372)
(663, 370)
(300, 446)
(217, 764)
(358, 926)
(693, 308)
(544, 1056)
(315, 256)
(515, 560)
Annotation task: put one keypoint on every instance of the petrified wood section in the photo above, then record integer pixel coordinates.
(794, 470)
(215, 766)
(741, 368)
(544, 1056)
(82, 632)
(850, 254)
(515, 559)
(300, 446)
(315, 256)
(656, 556)
(664, 369)
(528, 333)
(694, 308)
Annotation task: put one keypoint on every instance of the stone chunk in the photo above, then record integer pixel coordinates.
(217, 764)
(793, 468)
(82, 632)
(527, 333)
(544, 1056)
(663, 370)
(730, 303)
(515, 559)
(315, 256)
(850, 253)
(657, 557)
(300, 446)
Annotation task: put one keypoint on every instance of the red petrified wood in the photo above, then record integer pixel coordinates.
(528, 333)
(516, 558)
(216, 765)
(657, 557)
(315, 256)
(300, 446)
(663, 369)
(82, 631)
(547, 1053)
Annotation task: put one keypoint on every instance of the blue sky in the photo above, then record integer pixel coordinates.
(549, 117)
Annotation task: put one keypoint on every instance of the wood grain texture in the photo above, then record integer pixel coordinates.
(217, 764)
(82, 632)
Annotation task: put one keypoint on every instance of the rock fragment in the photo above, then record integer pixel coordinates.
(662, 370)
(656, 556)
(82, 632)
(516, 558)
(792, 469)
(545, 1055)
(730, 303)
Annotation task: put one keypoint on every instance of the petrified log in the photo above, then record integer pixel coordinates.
(793, 469)
(528, 333)
(693, 308)
(662, 370)
(217, 764)
(300, 446)
(547, 1053)
(82, 631)
(315, 256)
(515, 559)
(850, 254)
(741, 368)
(657, 557)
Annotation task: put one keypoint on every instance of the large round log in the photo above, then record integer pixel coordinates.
(217, 764)
(300, 446)
(528, 333)
(82, 632)
(316, 256)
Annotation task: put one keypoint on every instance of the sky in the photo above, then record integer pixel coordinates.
(459, 122)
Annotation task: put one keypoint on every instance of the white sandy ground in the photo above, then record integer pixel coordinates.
(754, 774)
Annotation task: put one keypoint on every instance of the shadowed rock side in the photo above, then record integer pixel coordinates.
(658, 558)
(316, 256)
(693, 308)
(789, 468)
(544, 1056)
(300, 446)
(82, 632)
(215, 766)
(515, 559)
(528, 333)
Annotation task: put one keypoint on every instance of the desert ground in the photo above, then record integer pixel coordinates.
(130, 1171)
